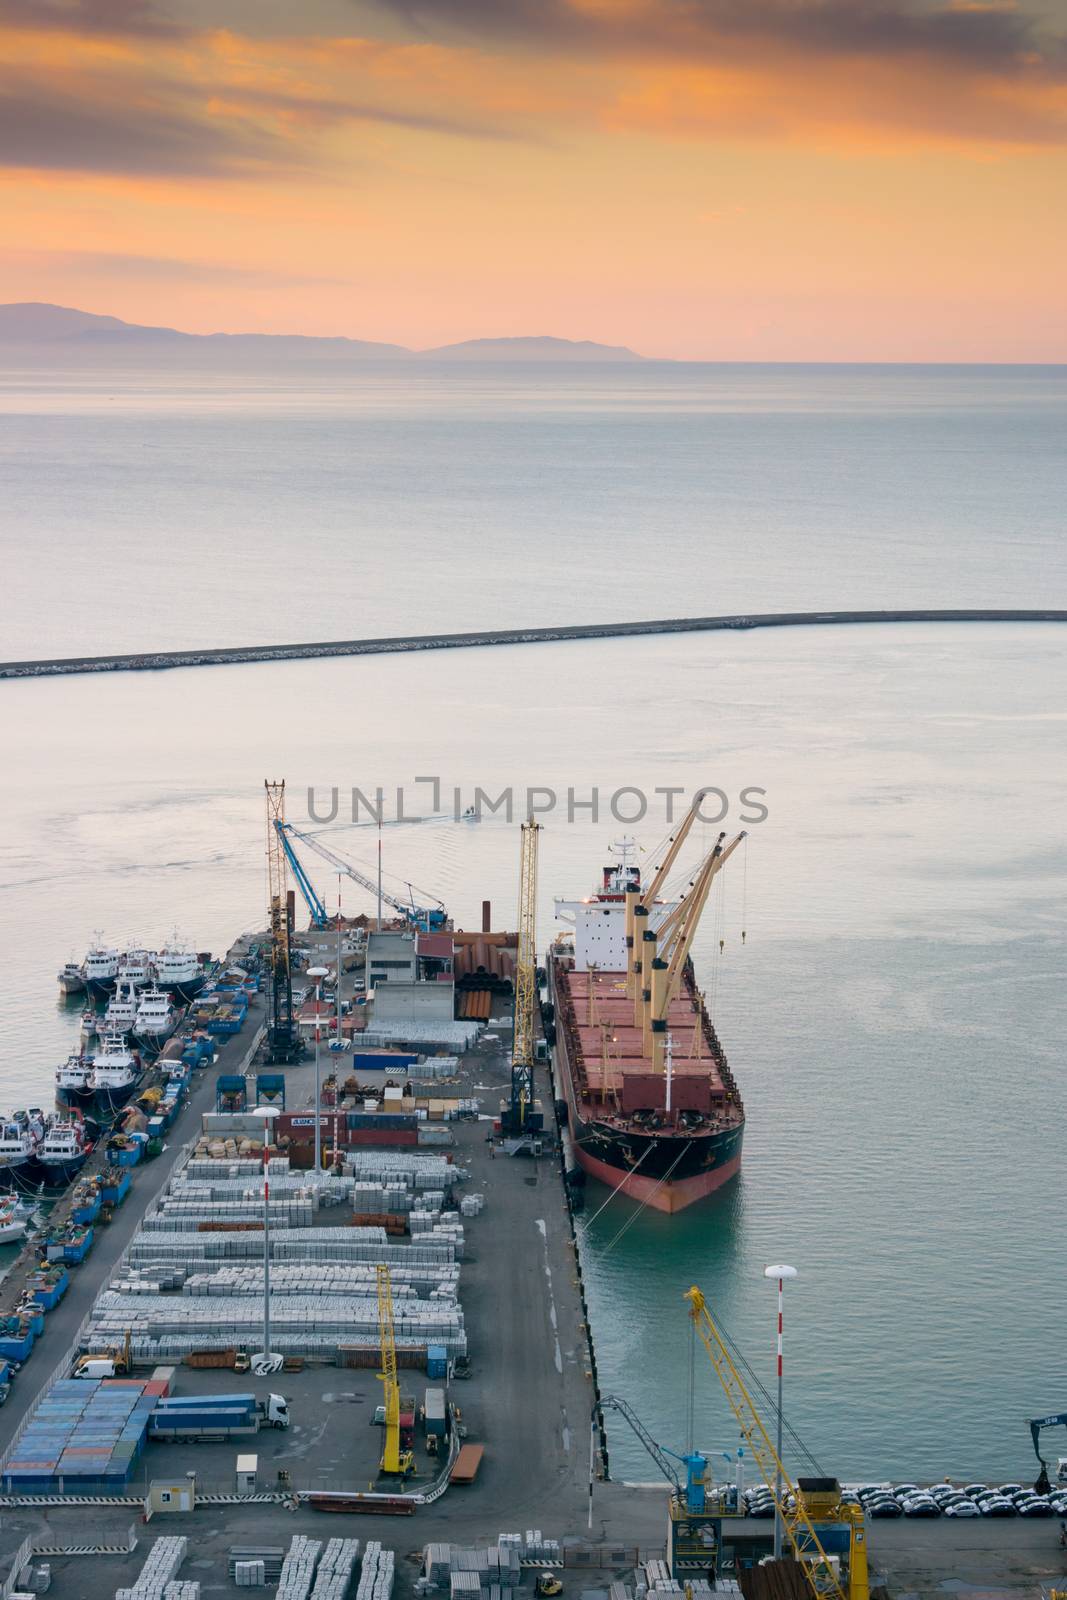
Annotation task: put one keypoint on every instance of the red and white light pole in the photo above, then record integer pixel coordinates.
(781, 1273)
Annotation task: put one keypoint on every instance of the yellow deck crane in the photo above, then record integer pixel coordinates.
(395, 1462)
(520, 1119)
(666, 950)
(284, 1044)
(793, 1506)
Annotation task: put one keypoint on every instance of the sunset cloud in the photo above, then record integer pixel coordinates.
(713, 171)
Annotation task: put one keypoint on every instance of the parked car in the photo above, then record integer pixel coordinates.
(921, 1505)
(996, 1506)
(887, 1507)
(973, 1489)
(1039, 1506)
(962, 1508)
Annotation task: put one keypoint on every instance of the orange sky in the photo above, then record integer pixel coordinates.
(721, 179)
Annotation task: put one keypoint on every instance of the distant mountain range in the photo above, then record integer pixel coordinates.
(36, 324)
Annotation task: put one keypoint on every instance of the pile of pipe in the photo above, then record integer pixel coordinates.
(335, 1569)
(177, 1214)
(444, 1244)
(313, 1326)
(317, 1278)
(395, 1167)
(379, 1571)
(161, 1564)
(298, 1568)
(395, 1198)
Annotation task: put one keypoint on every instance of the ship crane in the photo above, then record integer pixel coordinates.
(789, 1501)
(666, 951)
(425, 917)
(520, 1120)
(284, 1044)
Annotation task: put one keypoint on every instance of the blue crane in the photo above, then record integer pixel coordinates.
(425, 917)
(695, 1464)
(315, 906)
(1059, 1420)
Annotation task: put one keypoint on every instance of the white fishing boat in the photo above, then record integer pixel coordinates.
(156, 1019)
(20, 1134)
(14, 1219)
(116, 1072)
(179, 970)
(71, 979)
(137, 968)
(101, 968)
(72, 1081)
(65, 1147)
(122, 1007)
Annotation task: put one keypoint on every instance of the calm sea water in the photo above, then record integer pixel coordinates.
(897, 1013)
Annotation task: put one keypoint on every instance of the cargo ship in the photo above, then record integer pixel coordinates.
(651, 1103)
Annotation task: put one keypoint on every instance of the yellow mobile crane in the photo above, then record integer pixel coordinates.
(394, 1462)
(791, 1502)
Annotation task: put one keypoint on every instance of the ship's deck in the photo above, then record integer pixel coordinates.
(610, 1044)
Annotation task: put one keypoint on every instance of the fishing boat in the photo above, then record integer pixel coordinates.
(72, 1081)
(14, 1219)
(121, 1011)
(71, 979)
(101, 969)
(116, 1072)
(156, 1019)
(20, 1134)
(136, 968)
(652, 1105)
(179, 971)
(68, 1142)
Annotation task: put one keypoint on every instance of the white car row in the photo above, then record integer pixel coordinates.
(940, 1499)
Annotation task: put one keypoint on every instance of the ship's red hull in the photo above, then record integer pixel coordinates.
(670, 1196)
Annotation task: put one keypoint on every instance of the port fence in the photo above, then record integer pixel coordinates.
(63, 1368)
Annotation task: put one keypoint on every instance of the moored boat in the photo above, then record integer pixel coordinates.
(116, 1072)
(156, 1019)
(121, 1011)
(20, 1134)
(180, 971)
(71, 979)
(101, 969)
(72, 1081)
(14, 1219)
(652, 1105)
(67, 1143)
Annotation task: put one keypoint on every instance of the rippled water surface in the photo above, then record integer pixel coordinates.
(896, 1017)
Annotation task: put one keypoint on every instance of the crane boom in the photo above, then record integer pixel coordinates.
(283, 1038)
(522, 1042)
(316, 909)
(392, 1459)
(798, 1526)
(426, 917)
(656, 1451)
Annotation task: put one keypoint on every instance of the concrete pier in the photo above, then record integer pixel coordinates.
(235, 655)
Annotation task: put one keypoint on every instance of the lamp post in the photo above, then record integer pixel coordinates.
(781, 1273)
(318, 973)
